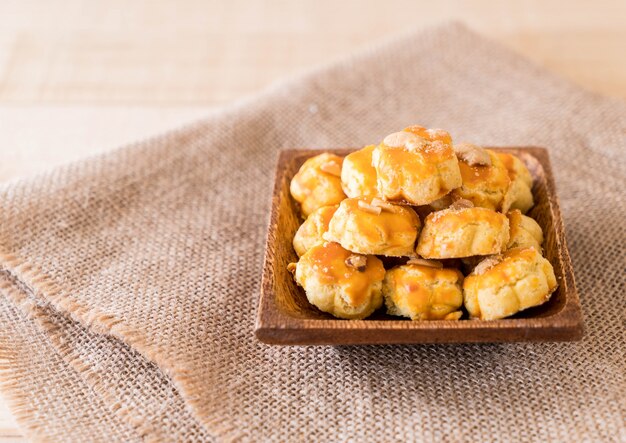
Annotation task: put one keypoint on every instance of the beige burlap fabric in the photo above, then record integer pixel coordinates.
(129, 281)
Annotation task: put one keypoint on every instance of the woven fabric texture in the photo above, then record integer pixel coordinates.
(129, 281)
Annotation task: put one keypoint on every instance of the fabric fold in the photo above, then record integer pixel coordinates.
(135, 274)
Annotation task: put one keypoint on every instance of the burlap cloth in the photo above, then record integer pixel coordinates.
(129, 281)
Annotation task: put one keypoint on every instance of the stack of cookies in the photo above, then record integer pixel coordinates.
(434, 230)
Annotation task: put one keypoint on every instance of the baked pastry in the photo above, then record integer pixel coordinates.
(519, 196)
(423, 290)
(524, 231)
(363, 214)
(503, 285)
(310, 232)
(374, 226)
(485, 178)
(358, 176)
(462, 231)
(339, 282)
(416, 166)
(318, 183)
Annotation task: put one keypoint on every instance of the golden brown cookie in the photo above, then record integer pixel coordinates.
(416, 166)
(485, 178)
(339, 282)
(358, 176)
(318, 183)
(374, 226)
(503, 285)
(524, 231)
(459, 232)
(310, 232)
(423, 290)
(519, 196)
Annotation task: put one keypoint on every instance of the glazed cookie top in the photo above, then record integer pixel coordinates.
(311, 231)
(331, 265)
(374, 226)
(416, 166)
(502, 285)
(423, 291)
(460, 231)
(318, 183)
(418, 149)
(516, 168)
(485, 178)
(358, 176)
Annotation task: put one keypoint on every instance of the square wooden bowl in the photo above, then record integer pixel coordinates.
(286, 317)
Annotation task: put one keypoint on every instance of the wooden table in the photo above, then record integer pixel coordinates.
(79, 77)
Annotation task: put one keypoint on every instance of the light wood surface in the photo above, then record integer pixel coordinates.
(152, 52)
(78, 77)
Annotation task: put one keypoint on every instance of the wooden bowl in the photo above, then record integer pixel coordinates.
(286, 317)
